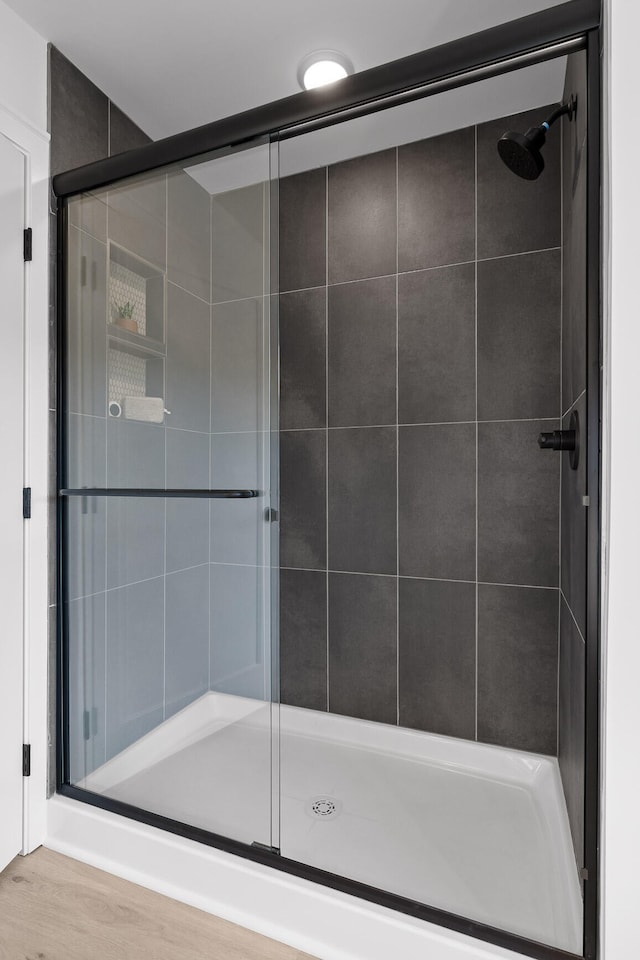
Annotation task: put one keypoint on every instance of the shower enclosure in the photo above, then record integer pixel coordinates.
(328, 486)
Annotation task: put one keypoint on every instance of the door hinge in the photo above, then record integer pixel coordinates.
(584, 873)
(26, 503)
(26, 759)
(28, 244)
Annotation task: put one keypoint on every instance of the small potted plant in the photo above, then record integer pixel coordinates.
(124, 316)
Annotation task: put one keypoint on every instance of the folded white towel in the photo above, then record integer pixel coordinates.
(150, 409)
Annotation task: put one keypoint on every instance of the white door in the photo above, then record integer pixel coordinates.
(12, 217)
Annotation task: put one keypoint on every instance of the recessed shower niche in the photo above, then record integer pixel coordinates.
(136, 335)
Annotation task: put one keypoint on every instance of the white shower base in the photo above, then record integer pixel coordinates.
(477, 830)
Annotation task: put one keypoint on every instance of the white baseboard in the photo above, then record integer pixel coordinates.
(325, 923)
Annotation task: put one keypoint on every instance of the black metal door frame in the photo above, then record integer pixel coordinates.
(552, 32)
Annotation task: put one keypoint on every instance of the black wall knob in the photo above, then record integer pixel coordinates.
(564, 440)
(557, 440)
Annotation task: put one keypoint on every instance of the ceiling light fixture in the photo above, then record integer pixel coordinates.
(322, 67)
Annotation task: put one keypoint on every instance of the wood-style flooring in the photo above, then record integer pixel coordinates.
(55, 908)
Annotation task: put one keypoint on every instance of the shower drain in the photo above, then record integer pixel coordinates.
(323, 808)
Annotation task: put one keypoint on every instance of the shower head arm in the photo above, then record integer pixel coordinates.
(565, 109)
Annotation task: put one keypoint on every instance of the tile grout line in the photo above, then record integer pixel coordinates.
(383, 426)
(178, 286)
(568, 606)
(368, 573)
(402, 273)
(476, 410)
(355, 426)
(397, 159)
(576, 401)
(326, 416)
(347, 573)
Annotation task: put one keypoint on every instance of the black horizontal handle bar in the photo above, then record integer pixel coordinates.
(157, 492)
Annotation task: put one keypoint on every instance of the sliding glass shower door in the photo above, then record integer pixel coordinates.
(433, 535)
(327, 421)
(167, 496)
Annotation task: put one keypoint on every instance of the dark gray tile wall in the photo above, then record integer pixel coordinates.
(436, 345)
(124, 134)
(237, 244)
(437, 663)
(363, 652)
(236, 526)
(138, 218)
(518, 666)
(237, 623)
(420, 520)
(362, 345)
(362, 500)
(188, 236)
(236, 364)
(437, 501)
(361, 210)
(187, 616)
(437, 201)
(188, 369)
(303, 638)
(238, 532)
(84, 126)
(519, 336)
(134, 662)
(518, 489)
(139, 571)
(303, 481)
(571, 724)
(78, 116)
(303, 230)
(87, 619)
(303, 358)
(573, 512)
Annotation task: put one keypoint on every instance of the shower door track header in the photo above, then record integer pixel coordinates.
(531, 39)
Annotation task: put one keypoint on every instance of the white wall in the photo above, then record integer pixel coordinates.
(23, 120)
(23, 70)
(621, 834)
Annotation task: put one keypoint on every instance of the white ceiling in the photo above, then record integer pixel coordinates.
(175, 64)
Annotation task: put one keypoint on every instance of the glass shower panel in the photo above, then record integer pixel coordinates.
(167, 495)
(432, 326)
